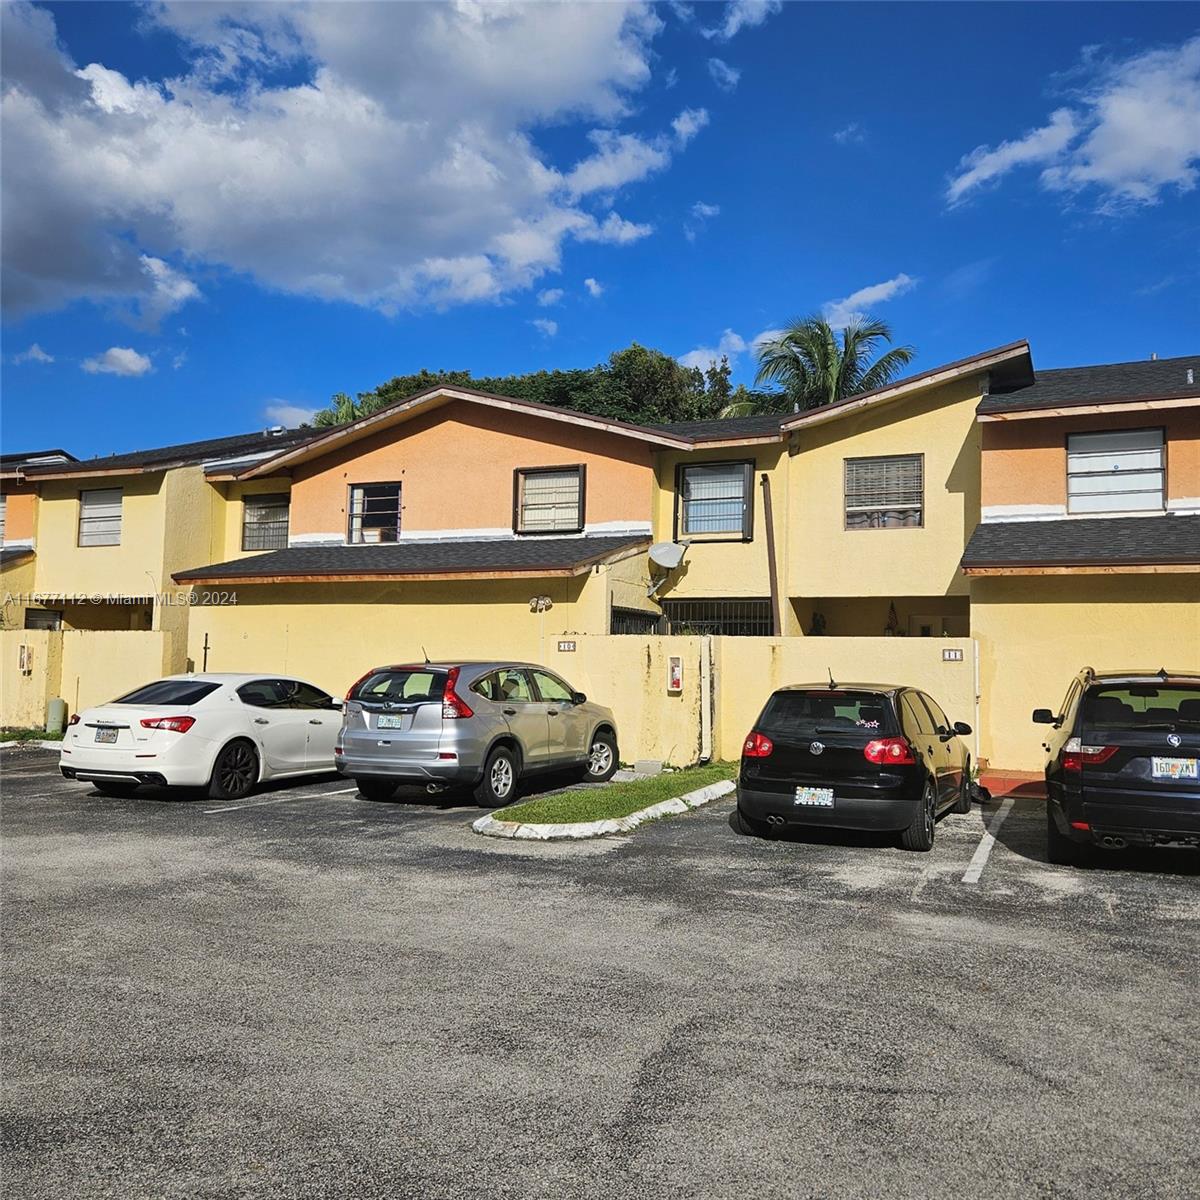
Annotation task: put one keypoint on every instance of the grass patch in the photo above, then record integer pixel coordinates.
(615, 800)
(29, 735)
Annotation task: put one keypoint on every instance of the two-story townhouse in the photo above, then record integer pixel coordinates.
(1088, 550)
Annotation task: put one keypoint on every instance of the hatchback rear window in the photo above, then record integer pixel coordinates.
(410, 685)
(827, 711)
(1137, 705)
(178, 692)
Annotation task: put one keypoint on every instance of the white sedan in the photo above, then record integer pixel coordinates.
(225, 733)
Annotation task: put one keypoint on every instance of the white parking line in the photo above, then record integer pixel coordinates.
(281, 800)
(984, 849)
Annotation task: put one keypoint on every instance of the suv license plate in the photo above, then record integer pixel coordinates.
(1173, 768)
(106, 735)
(815, 797)
(386, 722)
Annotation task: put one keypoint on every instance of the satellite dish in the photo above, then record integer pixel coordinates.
(667, 555)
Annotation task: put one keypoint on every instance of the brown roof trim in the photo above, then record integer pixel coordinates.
(930, 378)
(399, 410)
(1130, 568)
(1025, 412)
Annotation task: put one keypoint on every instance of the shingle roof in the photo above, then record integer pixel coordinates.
(482, 557)
(1162, 378)
(20, 458)
(1078, 541)
(160, 458)
(14, 554)
(762, 425)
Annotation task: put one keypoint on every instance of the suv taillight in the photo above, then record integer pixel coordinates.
(890, 751)
(358, 683)
(757, 745)
(174, 724)
(453, 705)
(1075, 754)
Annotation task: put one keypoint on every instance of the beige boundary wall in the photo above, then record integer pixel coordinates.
(82, 667)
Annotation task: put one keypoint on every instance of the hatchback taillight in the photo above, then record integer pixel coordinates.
(891, 751)
(757, 745)
(1075, 754)
(174, 724)
(453, 705)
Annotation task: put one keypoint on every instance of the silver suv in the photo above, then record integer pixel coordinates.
(476, 724)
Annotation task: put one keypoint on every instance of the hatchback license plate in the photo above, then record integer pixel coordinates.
(1173, 768)
(106, 735)
(386, 722)
(815, 797)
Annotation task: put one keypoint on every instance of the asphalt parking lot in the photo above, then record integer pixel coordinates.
(309, 994)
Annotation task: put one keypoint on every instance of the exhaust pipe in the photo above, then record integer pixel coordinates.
(774, 820)
(1113, 843)
(435, 789)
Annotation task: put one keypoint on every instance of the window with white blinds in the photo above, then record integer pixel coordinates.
(1121, 471)
(100, 517)
(716, 499)
(265, 522)
(549, 500)
(886, 492)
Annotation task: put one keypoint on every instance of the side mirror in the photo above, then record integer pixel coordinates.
(1043, 716)
(578, 698)
(962, 728)
(335, 702)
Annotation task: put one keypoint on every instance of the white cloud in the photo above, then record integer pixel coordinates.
(35, 354)
(280, 412)
(544, 327)
(615, 230)
(593, 288)
(701, 213)
(1132, 133)
(730, 346)
(683, 12)
(355, 180)
(742, 14)
(850, 135)
(179, 360)
(118, 360)
(724, 76)
(839, 313)
(549, 296)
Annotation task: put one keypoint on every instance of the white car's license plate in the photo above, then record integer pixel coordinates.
(386, 722)
(815, 797)
(1173, 768)
(106, 735)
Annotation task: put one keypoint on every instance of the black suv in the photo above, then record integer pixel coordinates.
(1121, 763)
(853, 756)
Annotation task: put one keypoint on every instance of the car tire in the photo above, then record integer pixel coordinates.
(602, 758)
(376, 789)
(235, 772)
(1061, 850)
(919, 835)
(745, 826)
(963, 804)
(114, 788)
(498, 784)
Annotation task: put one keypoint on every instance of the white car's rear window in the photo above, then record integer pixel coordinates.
(181, 692)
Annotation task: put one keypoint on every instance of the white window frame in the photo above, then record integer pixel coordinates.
(355, 533)
(1117, 470)
(552, 514)
(100, 517)
(874, 498)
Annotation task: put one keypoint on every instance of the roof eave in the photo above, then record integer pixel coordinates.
(1025, 412)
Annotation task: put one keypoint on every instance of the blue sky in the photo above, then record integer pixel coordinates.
(216, 215)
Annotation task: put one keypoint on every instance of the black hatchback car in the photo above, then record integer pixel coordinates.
(853, 756)
(1122, 763)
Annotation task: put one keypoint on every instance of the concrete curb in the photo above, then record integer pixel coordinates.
(490, 827)
(30, 742)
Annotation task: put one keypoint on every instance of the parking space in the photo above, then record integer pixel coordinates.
(313, 994)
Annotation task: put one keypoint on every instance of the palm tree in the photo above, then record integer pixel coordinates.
(814, 366)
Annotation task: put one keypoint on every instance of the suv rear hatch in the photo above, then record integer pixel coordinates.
(818, 738)
(1138, 756)
(393, 718)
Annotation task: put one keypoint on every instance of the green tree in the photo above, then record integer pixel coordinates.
(812, 365)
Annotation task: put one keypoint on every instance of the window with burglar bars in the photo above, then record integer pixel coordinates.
(375, 512)
(733, 618)
(548, 500)
(715, 500)
(886, 492)
(3, 516)
(1121, 471)
(100, 517)
(633, 620)
(265, 522)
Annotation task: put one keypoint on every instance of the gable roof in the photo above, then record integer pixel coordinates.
(16, 463)
(761, 425)
(163, 458)
(1084, 541)
(1066, 387)
(480, 558)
